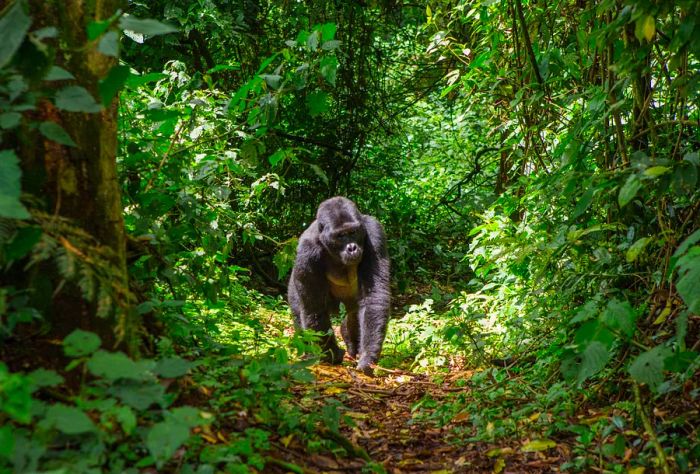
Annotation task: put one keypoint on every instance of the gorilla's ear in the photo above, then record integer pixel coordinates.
(320, 226)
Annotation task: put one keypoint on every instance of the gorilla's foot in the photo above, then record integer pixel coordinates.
(333, 356)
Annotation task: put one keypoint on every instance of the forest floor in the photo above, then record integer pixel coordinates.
(388, 434)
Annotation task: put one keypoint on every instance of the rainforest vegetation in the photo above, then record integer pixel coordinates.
(534, 165)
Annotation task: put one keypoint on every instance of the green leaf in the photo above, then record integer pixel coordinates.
(68, 420)
(96, 28)
(76, 99)
(329, 69)
(126, 418)
(655, 171)
(7, 442)
(116, 365)
(109, 44)
(636, 248)
(317, 102)
(146, 26)
(80, 343)
(277, 157)
(593, 359)
(620, 316)
(14, 25)
(328, 31)
(171, 367)
(188, 415)
(538, 445)
(164, 438)
(44, 378)
(135, 80)
(585, 312)
(648, 367)
(58, 74)
(22, 242)
(584, 202)
(10, 191)
(139, 395)
(115, 80)
(319, 172)
(10, 120)
(55, 132)
(645, 28)
(688, 284)
(629, 190)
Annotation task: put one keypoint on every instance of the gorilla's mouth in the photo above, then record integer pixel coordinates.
(350, 259)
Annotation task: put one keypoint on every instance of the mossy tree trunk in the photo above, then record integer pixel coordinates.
(80, 183)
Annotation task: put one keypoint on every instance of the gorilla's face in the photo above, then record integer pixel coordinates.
(341, 230)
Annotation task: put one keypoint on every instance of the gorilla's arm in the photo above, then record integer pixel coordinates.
(375, 295)
(309, 294)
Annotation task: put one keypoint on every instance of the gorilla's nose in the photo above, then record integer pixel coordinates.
(351, 248)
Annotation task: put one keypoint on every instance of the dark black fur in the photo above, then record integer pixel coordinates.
(314, 295)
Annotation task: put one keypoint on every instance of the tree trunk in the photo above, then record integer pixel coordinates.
(79, 184)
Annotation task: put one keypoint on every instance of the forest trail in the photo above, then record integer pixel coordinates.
(388, 432)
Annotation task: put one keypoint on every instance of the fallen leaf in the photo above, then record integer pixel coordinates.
(499, 466)
(538, 445)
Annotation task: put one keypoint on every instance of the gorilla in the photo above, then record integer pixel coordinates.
(342, 258)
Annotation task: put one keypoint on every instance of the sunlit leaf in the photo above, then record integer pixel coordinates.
(538, 445)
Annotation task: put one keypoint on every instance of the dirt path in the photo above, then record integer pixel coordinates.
(388, 433)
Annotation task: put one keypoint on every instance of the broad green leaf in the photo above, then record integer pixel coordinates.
(688, 284)
(636, 248)
(110, 85)
(139, 395)
(538, 445)
(146, 26)
(329, 69)
(116, 365)
(171, 367)
(276, 157)
(583, 203)
(319, 172)
(14, 25)
(22, 242)
(135, 81)
(317, 102)
(585, 312)
(629, 190)
(44, 378)
(188, 415)
(655, 171)
(7, 441)
(620, 316)
(691, 240)
(164, 438)
(330, 45)
(69, 420)
(109, 44)
(10, 120)
(645, 28)
(648, 367)
(126, 418)
(593, 358)
(10, 175)
(328, 31)
(95, 29)
(55, 132)
(80, 343)
(58, 74)
(76, 99)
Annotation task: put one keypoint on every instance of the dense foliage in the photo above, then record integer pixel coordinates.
(535, 165)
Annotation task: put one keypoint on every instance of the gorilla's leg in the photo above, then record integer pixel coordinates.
(351, 331)
(373, 320)
(321, 322)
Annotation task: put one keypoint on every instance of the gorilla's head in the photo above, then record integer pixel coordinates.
(340, 230)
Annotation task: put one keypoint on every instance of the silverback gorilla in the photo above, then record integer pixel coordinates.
(342, 258)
